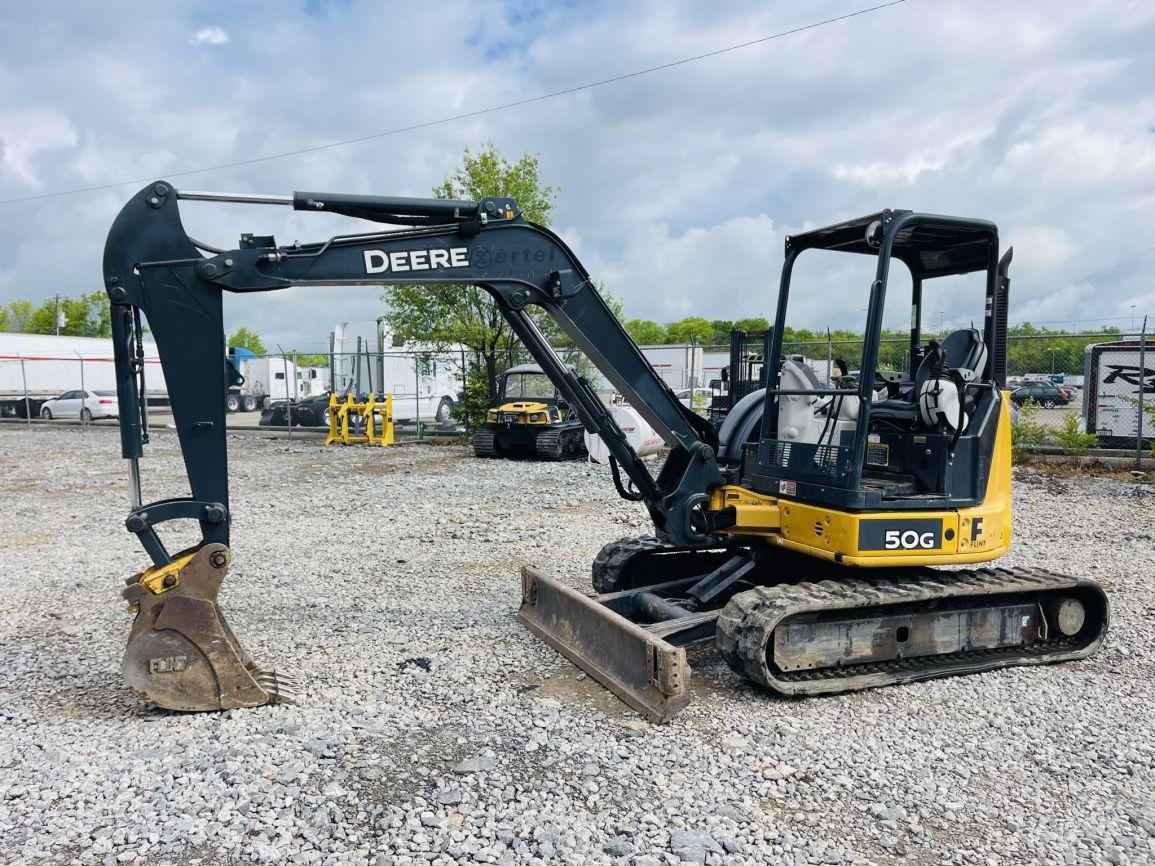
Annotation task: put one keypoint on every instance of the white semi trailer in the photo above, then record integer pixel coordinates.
(1118, 377)
(364, 358)
(44, 366)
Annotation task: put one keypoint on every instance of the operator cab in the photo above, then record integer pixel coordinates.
(528, 384)
(913, 427)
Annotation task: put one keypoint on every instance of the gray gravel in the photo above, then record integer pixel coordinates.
(432, 729)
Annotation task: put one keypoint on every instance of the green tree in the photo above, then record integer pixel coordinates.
(722, 329)
(645, 332)
(4, 319)
(1070, 436)
(1028, 433)
(441, 316)
(243, 338)
(692, 329)
(19, 313)
(306, 359)
(43, 319)
(752, 323)
(88, 315)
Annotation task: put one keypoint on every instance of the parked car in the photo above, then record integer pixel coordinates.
(695, 398)
(1070, 393)
(1045, 394)
(85, 405)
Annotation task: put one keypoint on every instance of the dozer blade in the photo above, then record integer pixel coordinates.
(646, 672)
(181, 654)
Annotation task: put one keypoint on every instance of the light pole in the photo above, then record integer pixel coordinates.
(1132, 318)
(1053, 351)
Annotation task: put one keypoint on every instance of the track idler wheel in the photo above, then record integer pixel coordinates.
(181, 654)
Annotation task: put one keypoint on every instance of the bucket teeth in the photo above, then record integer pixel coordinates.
(181, 653)
(281, 689)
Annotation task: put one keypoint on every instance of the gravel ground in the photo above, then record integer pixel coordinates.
(432, 728)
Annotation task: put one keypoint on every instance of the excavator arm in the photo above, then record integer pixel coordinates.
(154, 270)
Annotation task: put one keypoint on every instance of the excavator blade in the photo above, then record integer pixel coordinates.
(646, 672)
(181, 654)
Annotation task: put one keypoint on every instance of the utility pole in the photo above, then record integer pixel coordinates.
(1142, 393)
(1053, 351)
(56, 315)
(1132, 318)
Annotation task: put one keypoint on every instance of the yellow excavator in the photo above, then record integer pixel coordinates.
(805, 538)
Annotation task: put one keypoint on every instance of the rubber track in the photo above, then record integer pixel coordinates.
(559, 444)
(613, 558)
(547, 445)
(483, 445)
(746, 624)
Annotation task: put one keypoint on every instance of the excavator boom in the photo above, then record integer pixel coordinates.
(156, 273)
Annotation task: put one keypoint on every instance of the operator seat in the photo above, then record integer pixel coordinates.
(962, 352)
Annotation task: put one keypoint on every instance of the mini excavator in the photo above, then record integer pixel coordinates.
(804, 538)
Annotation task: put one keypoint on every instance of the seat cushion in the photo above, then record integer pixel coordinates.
(901, 410)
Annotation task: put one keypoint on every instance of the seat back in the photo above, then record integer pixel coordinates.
(966, 352)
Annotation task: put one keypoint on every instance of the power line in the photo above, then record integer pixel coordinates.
(1087, 278)
(481, 111)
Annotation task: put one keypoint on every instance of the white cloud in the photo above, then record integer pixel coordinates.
(212, 35)
(676, 187)
(727, 270)
(27, 135)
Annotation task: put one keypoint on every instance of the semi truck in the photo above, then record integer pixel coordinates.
(365, 357)
(264, 379)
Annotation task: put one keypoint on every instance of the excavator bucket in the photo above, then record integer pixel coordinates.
(646, 672)
(181, 654)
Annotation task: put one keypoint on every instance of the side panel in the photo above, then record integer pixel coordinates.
(885, 538)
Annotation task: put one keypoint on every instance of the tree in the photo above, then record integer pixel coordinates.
(18, 313)
(752, 323)
(243, 338)
(307, 359)
(4, 319)
(692, 329)
(441, 316)
(88, 315)
(721, 335)
(645, 332)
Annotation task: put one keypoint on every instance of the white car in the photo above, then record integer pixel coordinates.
(695, 398)
(85, 405)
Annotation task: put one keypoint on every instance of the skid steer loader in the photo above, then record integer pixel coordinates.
(801, 538)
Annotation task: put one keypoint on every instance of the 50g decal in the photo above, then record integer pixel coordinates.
(916, 533)
(896, 539)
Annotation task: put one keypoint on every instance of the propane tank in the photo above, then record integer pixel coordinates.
(641, 436)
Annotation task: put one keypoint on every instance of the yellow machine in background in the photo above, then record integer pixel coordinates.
(351, 422)
(529, 420)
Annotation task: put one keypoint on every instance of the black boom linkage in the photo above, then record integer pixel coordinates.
(152, 267)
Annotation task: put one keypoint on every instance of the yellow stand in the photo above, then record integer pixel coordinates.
(371, 412)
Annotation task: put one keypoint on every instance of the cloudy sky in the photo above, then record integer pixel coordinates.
(675, 188)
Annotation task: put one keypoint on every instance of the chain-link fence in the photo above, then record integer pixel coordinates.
(291, 390)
